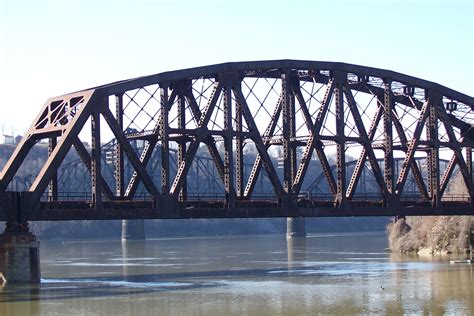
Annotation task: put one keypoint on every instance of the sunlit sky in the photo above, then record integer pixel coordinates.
(52, 47)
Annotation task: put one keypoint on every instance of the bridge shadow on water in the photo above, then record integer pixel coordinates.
(96, 287)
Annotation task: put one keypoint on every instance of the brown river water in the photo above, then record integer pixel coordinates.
(327, 274)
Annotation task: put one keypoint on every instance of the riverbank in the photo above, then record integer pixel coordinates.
(431, 235)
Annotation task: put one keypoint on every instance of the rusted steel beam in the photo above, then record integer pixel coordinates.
(257, 166)
(367, 144)
(456, 147)
(257, 139)
(287, 126)
(86, 159)
(61, 149)
(96, 152)
(313, 140)
(412, 145)
(389, 166)
(363, 155)
(433, 153)
(341, 142)
(182, 143)
(203, 120)
(53, 185)
(228, 146)
(164, 134)
(414, 167)
(118, 159)
(152, 139)
(134, 210)
(208, 140)
(128, 150)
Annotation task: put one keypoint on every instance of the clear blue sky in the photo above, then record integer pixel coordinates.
(52, 47)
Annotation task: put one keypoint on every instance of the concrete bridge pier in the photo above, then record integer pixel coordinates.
(133, 229)
(19, 254)
(295, 227)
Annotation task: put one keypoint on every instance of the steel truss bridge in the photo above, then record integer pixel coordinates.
(285, 124)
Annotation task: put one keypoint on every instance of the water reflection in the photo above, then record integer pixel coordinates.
(245, 275)
(296, 251)
(133, 251)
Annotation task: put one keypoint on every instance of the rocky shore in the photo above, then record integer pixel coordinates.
(430, 235)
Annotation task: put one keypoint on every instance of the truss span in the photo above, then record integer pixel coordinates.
(288, 118)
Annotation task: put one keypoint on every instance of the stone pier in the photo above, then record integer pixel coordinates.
(295, 227)
(133, 229)
(19, 255)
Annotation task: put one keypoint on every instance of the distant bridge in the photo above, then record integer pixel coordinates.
(270, 122)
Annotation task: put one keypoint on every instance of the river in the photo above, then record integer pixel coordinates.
(338, 274)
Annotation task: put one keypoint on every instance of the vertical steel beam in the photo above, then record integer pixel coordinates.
(417, 175)
(469, 160)
(53, 185)
(364, 138)
(239, 152)
(96, 159)
(286, 142)
(182, 144)
(293, 80)
(389, 165)
(469, 167)
(184, 167)
(131, 154)
(257, 166)
(456, 147)
(228, 148)
(261, 147)
(340, 78)
(86, 159)
(164, 133)
(359, 167)
(314, 142)
(411, 148)
(435, 100)
(118, 159)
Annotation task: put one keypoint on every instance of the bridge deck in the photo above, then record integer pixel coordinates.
(80, 210)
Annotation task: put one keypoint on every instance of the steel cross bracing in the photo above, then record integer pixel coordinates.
(293, 119)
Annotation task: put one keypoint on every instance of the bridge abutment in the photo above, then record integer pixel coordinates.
(133, 229)
(19, 255)
(295, 227)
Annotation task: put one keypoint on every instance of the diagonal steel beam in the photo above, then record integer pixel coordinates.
(61, 149)
(208, 140)
(365, 140)
(311, 144)
(134, 160)
(447, 174)
(193, 147)
(257, 166)
(455, 146)
(86, 159)
(262, 149)
(150, 145)
(363, 155)
(413, 144)
(414, 166)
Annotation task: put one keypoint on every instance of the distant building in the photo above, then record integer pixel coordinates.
(8, 139)
(18, 139)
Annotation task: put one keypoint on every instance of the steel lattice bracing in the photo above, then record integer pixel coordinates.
(290, 117)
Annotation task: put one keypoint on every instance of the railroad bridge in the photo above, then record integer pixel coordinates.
(273, 122)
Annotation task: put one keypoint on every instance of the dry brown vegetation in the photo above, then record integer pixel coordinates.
(435, 234)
